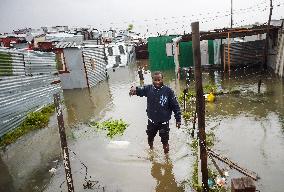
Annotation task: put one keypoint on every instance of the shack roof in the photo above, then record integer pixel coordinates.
(233, 32)
(62, 45)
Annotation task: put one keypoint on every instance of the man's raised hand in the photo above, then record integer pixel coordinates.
(132, 91)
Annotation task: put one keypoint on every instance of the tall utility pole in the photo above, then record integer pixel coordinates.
(231, 13)
(266, 46)
(200, 103)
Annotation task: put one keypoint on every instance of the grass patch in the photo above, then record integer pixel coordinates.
(114, 127)
(34, 121)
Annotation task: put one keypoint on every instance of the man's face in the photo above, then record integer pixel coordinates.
(158, 80)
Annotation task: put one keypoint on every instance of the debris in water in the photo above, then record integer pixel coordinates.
(210, 183)
(226, 173)
(118, 144)
(52, 170)
(220, 181)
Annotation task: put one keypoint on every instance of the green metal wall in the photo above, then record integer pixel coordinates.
(185, 54)
(160, 61)
(211, 51)
(157, 53)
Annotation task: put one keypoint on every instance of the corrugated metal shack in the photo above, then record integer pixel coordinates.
(276, 49)
(279, 62)
(80, 66)
(161, 52)
(249, 50)
(28, 81)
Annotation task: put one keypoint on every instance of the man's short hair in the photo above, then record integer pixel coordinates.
(158, 73)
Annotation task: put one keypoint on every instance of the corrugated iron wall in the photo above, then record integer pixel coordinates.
(279, 64)
(94, 60)
(27, 83)
(158, 55)
(244, 53)
(11, 63)
(39, 63)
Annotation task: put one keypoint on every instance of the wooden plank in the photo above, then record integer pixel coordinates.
(233, 165)
(200, 103)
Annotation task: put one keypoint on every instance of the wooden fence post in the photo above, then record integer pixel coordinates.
(200, 103)
(63, 141)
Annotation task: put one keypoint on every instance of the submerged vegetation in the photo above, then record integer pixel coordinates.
(35, 120)
(187, 100)
(114, 127)
(210, 88)
(210, 139)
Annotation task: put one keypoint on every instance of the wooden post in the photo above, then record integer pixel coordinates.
(86, 72)
(200, 103)
(224, 57)
(63, 141)
(259, 85)
(229, 59)
(266, 46)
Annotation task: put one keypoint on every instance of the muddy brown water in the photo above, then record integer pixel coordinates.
(249, 128)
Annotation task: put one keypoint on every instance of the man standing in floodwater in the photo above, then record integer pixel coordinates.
(161, 102)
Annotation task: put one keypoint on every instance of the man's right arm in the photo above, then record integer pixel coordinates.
(139, 91)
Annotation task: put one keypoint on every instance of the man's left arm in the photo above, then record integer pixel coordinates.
(175, 107)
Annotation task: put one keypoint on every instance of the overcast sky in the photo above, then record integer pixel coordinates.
(154, 15)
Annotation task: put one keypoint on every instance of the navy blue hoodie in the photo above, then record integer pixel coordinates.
(160, 103)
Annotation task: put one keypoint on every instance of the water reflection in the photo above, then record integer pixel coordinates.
(163, 174)
(246, 99)
(6, 181)
(82, 104)
(24, 165)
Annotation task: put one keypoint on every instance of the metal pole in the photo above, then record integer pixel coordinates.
(63, 141)
(200, 103)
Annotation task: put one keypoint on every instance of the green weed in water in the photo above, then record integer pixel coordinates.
(187, 115)
(189, 96)
(35, 120)
(114, 127)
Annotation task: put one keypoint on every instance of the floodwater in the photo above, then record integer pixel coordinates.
(249, 128)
